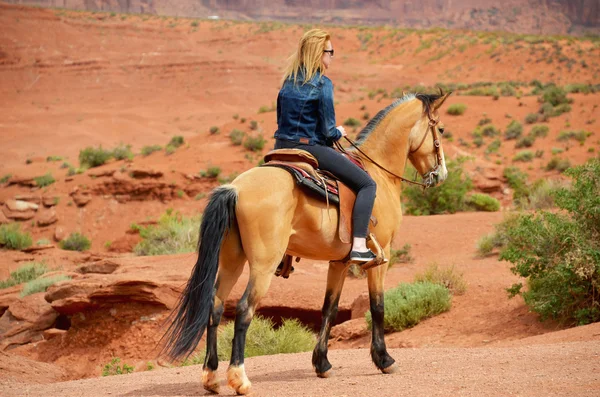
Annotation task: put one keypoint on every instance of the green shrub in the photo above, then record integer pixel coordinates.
(254, 144)
(554, 95)
(176, 141)
(123, 152)
(41, 284)
(517, 180)
(264, 339)
(266, 109)
(456, 109)
(541, 195)
(489, 130)
(148, 150)
(448, 278)
(173, 234)
(497, 239)
(558, 164)
(539, 131)
(408, 304)
(53, 158)
(44, 180)
(253, 125)
(400, 255)
(493, 146)
(90, 157)
(525, 141)
(482, 202)
(11, 237)
(27, 272)
(236, 137)
(448, 197)
(76, 242)
(513, 130)
(114, 368)
(485, 120)
(579, 136)
(524, 155)
(211, 172)
(214, 130)
(559, 253)
(532, 118)
(351, 122)
(5, 178)
(170, 149)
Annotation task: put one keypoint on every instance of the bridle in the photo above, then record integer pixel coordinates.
(428, 178)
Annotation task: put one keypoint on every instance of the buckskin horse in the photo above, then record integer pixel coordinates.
(263, 215)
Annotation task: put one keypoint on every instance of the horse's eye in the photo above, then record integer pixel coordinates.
(441, 129)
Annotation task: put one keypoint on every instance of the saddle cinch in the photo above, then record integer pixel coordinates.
(304, 167)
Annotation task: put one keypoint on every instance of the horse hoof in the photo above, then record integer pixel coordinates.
(210, 381)
(392, 369)
(326, 374)
(238, 381)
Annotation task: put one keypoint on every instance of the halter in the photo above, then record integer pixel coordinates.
(428, 177)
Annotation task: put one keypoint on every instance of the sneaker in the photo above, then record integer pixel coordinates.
(362, 257)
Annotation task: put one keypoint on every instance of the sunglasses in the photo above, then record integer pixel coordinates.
(329, 51)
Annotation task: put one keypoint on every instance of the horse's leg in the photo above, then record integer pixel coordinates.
(260, 280)
(379, 354)
(231, 265)
(335, 281)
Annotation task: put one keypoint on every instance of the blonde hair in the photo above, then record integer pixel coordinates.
(308, 56)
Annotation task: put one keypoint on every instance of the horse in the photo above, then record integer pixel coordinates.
(263, 215)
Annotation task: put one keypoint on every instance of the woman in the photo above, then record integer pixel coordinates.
(306, 120)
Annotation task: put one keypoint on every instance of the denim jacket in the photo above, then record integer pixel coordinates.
(305, 112)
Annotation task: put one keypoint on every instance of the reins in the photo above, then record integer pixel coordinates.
(436, 142)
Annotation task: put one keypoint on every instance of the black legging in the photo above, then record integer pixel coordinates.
(350, 174)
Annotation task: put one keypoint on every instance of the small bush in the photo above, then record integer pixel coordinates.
(524, 156)
(539, 131)
(44, 180)
(214, 130)
(532, 118)
(211, 172)
(351, 122)
(53, 158)
(115, 368)
(558, 253)
(253, 125)
(27, 272)
(493, 146)
(457, 109)
(401, 255)
(449, 197)
(579, 136)
(264, 339)
(5, 178)
(254, 144)
(513, 130)
(447, 277)
(554, 95)
(170, 149)
(558, 164)
(176, 141)
(485, 120)
(123, 152)
(517, 180)
(489, 130)
(173, 234)
(148, 150)
(525, 141)
(76, 242)
(41, 284)
(93, 157)
(11, 237)
(408, 304)
(482, 202)
(236, 137)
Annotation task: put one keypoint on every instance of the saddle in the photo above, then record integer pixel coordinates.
(323, 185)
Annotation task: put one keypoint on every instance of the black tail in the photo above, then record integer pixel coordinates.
(194, 306)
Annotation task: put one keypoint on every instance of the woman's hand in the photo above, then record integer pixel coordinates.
(342, 130)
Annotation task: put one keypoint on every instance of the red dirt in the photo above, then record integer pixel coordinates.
(70, 80)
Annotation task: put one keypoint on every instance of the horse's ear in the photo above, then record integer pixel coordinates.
(439, 102)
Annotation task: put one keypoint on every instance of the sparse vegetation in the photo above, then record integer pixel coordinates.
(114, 368)
(264, 339)
(513, 130)
(12, 238)
(558, 164)
(456, 109)
(482, 202)
(211, 172)
(408, 304)
(5, 178)
(579, 136)
(123, 152)
(400, 255)
(27, 272)
(539, 131)
(532, 118)
(93, 157)
(44, 180)
(175, 142)
(236, 137)
(214, 130)
(42, 284)
(75, 242)
(524, 156)
(255, 143)
(173, 234)
(351, 122)
(447, 277)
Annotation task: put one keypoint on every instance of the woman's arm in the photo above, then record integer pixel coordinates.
(327, 112)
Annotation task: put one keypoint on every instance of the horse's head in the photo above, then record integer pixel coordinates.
(426, 153)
